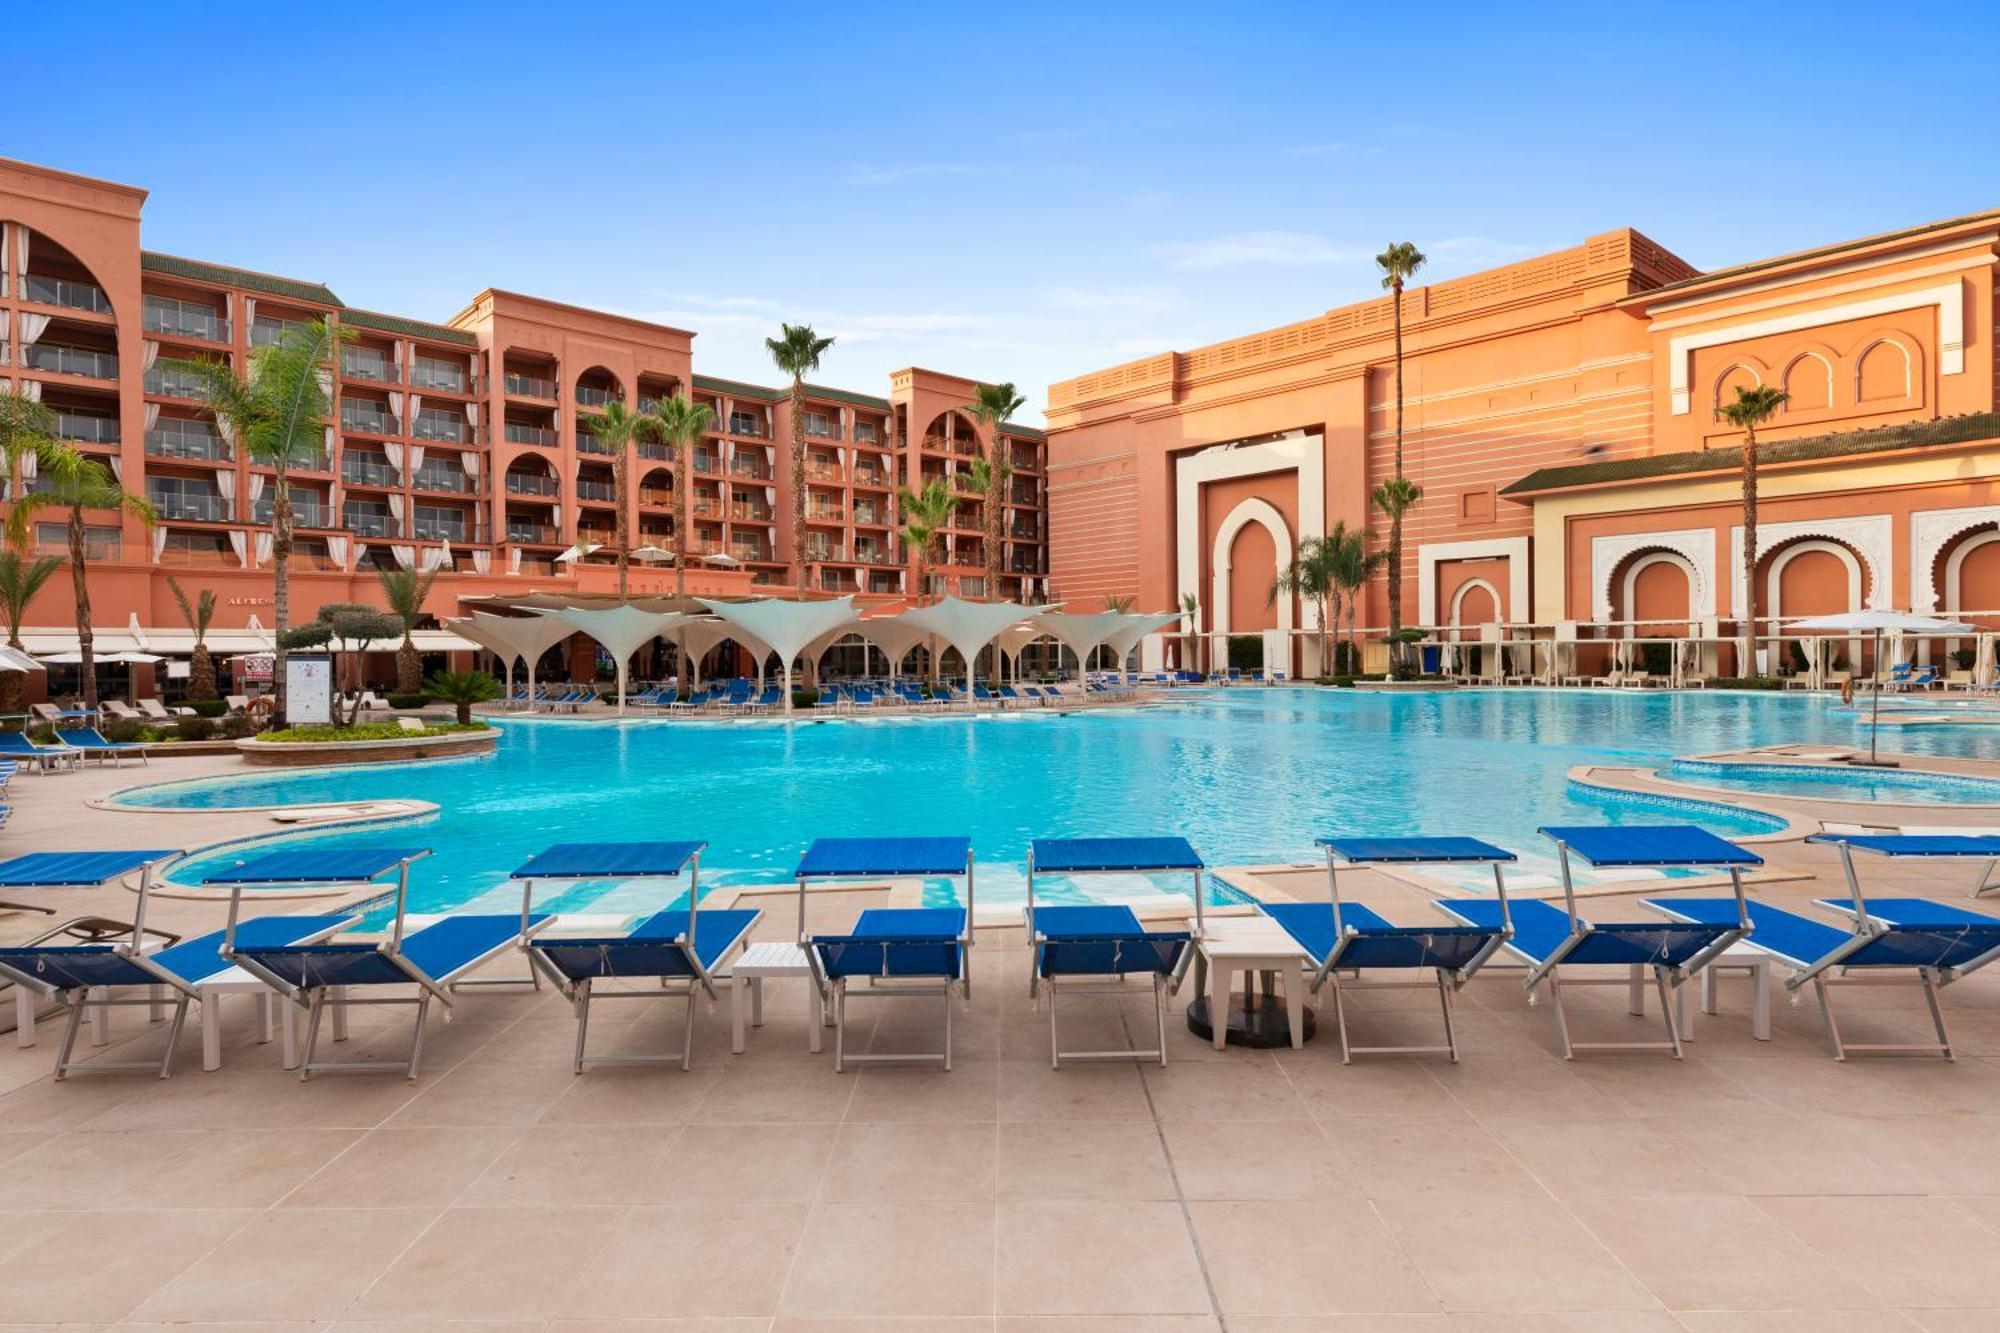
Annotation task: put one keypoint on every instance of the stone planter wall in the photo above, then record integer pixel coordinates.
(447, 745)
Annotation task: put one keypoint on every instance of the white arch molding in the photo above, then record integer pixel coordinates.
(1954, 593)
(1634, 568)
(1868, 536)
(1931, 530)
(1458, 600)
(1695, 546)
(1265, 515)
(1774, 576)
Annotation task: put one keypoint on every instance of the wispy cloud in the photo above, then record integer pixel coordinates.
(868, 176)
(1293, 249)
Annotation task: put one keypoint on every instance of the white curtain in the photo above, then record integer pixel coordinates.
(336, 494)
(257, 480)
(394, 453)
(431, 558)
(770, 495)
(263, 547)
(327, 443)
(336, 549)
(249, 311)
(239, 541)
(325, 378)
(6, 317)
(396, 410)
(152, 415)
(32, 325)
(360, 549)
(556, 520)
(227, 430)
(514, 560)
(21, 232)
(31, 464)
(416, 406)
(472, 415)
(396, 509)
(470, 462)
(482, 562)
(149, 352)
(406, 556)
(159, 543)
(227, 485)
(416, 458)
(31, 390)
(4, 228)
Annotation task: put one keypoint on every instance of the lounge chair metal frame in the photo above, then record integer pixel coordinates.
(1042, 982)
(582, 991)
(1445, 981)
(836, 991)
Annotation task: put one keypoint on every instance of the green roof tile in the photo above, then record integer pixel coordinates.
(409, 328)
(224, 276)
(1914, 435)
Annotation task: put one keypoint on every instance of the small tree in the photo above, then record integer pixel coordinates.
(1311, 576)
(1752, 408)
(1353, 564)
(406, 591)
(1398, 263)
(1120, 602)
(1191, 608)
(679, 423)
(463, 689)
(797, 351)
(21, 577)
(1396, 497)
(617, 428)
(924, 514)
(199, 612)
(991, 407)
(344, 627)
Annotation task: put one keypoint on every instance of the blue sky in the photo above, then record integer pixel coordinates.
(1023, 193)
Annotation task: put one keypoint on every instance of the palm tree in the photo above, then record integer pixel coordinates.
(1191, 608)
(1353, 565)
(277, 415)
(79, 485)
(199, 612)
(925, 514)
(1752, 408)
(679, 423)
(28, 428)
(1396, 497)
(1120, 602)
(463, 689)
(991, 408)
(618, 427)
(406, 591)
(1310, 575)
(21, 577)
(1398, 263)
(797, 351)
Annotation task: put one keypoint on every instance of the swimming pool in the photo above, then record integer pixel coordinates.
(1248, 775)
(1840, 784)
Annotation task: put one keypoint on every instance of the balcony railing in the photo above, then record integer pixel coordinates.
(197, 555)
(173, 382)
(442, 479)
(517, 433)
(869, 476)
(822, 428)
(868, 514)
(183, 319)
(532, 533)
(189, 505)
(68, 293)
(316, 461)
(438, 530)
(591, 396)
(744, 423)
(752, 468)
(867, 556)
(596, 490)
(425, 374)
(529, 386)
(828, 552)
(747, 552)
(601, 536)
(374, 423)
(361, 472)
(522, 484)
(745, 512)
(448, 427)
(266, 329)
(826, 513)
(304, 515)
(87, 430)
(366, 523)
(706, 462)
(865, 433)
(377, 368)
(72, 361)
(188, 439)
(586, 443)
(822, 471)
(653, 495)
(656, 451)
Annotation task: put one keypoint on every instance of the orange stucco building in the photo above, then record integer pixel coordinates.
(462, 445)
(1561, 420)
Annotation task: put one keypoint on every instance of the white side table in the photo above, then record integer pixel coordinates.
(236, 981)
(1250, 945)
(1752, 962)
(770, 959)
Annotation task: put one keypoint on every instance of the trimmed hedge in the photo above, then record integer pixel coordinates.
(365, 731)
(409, 700)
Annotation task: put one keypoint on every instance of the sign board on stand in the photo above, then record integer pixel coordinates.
(308, 689)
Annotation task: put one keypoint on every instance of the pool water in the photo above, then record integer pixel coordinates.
(1247, 774)
(1841, 784)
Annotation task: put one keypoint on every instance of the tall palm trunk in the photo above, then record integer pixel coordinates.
(1748, 666)
(85, 643)
(799, 484)
(620, 470)
(683, 464)
(1396, 519)
(281, 580)
(992, 525)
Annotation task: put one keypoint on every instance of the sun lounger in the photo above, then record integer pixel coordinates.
(155, 711)
(1549, 938)
(1078, 949)
(683, 949)
(317, 975)
(92, 744)
(890, 952)
(46, 758)
(1342, 937)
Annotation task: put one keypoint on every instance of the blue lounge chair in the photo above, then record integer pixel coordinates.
(1093, 949)
(1932, 943)
(91, 744)
(1548, 938)
(318, 975)
(891, 951)
(46, 758)
(1351, 937)
(683, 949)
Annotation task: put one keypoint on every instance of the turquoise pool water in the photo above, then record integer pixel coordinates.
(1248, 774)
(1841, 784)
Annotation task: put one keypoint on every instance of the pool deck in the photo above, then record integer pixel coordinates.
(1754, 1186)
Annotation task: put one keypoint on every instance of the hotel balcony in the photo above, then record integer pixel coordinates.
(532, 534)
(600, 491)
(586, 443)
(442, 477)
(746, 424)
(305, 514)
(871, 515)
(183, 319)
(172, 382)
(61, 360)
(595, 395)
(440, 525)
(520, 385)
(428, 373)
(657, 498)
(819, 426)
(82, 429)
(865, 432)
(442, 427)
(268, 329)
(654, 451)
(193, 440)
(521, 483)
(189, 505)
(67, 293)
(705, 461)
(367, 364)
(873, 477)
(367, 420)
(749, 511)
(939, 444)
(195, 550)
(363, 472)
(516, 433)
(369, 522)
(749, 466)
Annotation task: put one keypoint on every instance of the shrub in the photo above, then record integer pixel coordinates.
(408, 700)
(1748, 683)
(463, 689)
(1658, 659)
(125, 731)
(209, 707)
(237, 727)
(804, 698)
(364, 731)
(1963, 658)
(194, 728)
(41, 733)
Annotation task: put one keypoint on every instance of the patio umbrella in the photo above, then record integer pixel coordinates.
(1876, 624)
(652, 555)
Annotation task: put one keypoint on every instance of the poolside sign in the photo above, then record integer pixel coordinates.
(309, 689)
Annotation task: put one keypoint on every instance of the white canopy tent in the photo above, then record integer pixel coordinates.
(1013, 641)
(969, 626)
(698, 634)
(525, 637)
(622, 630)
(894, 636)
(1082, 633)
(786, 626)
(1135, 628)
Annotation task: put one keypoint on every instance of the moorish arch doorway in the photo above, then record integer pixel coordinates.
(1251, 545)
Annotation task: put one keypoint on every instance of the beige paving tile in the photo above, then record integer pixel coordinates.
(1249, 1088)
(1078, 1257)
(1256, 1159)
(1155, 1323)
(440, 1325)
(1433, 1160)
(1369, 1087)
(1812, 1321)
(71, 1271)
(708, 1258)
(1109, 1160)
(171, 1169)
(1490, 1253)
(482, 1095)
(882, 1260)
(1305, 1259)
(492, 1263)
(770, 1163)
(567, 1164)
(1030, 1090)
(396, 1167)
(1718, 1252)
(1908, 1251)
(308, 1263)
(970, 1091)
(779, 1094)
(922, 1324)
(888, 1161)
(1593, 1155)
(632, 1095)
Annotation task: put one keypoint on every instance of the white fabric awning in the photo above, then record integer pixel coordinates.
(1083, 632)
(786, 626)
(1137, 627)
(621, 629)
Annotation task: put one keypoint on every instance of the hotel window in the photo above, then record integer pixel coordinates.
(821, 425)
(98, 543)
